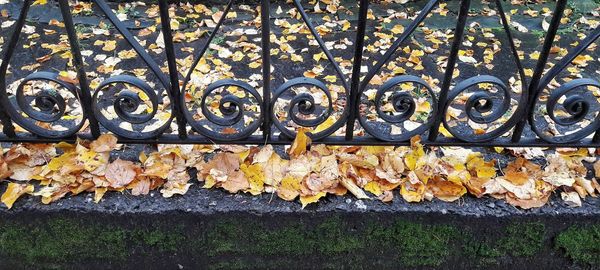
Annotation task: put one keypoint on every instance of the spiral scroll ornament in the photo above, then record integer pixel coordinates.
(572, 112)
(43, 100)
(483, 107)
(403, 109)
(236, 103)
(303, 107)
(133, 101)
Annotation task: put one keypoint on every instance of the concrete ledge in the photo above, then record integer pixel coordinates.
(213, 230)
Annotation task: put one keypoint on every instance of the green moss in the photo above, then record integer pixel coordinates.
(422, 245)
(523, 240)
(408, 243)
(164, 239)
(69, 240)
(411, 244)
(61, 240)
(332, 243)
(581, 244)
(222, 236)
(481, 253)
(333, 237)
(328, 237)
(517, 240)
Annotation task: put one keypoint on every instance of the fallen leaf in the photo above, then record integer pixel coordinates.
(14, 191)
(300, 144)
(120, 173)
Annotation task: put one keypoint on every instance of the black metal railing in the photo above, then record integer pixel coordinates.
(233, 111)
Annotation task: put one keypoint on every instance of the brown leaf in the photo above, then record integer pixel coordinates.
(475, 185)
(120, 173)
(386, 196)
(353, 188)
(224, 162)
(597, 169)
(104, 143)
(447, 191)
(140, 186)
(315, 183)
(236, 182)
(4, 170)
(78, 188)
(527, 204)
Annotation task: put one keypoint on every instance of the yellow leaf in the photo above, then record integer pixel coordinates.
(66, 147)
(255, 64)
(412, 193)
(486, 172)
(330, 78)
(300, 144)
(410, 160)
(346, 25)
(174, 24)
(445, 132)
(423, 107)
(398, 29)
(325, 125)
(58, 162)
(376, 150)
(143, 157)
(374, 188)
(99, 193)
(13, 192)
(317, 57)
(297, 58)
(243, 155)
(92, 160)
(306, 200)
(109, 46)
(289, 188)
(39, 2)
(209, 182)
(256, 177)
(237, 56)
(483, 169)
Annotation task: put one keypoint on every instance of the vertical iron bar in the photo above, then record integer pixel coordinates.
(596, 137)
(9, 50)
(165, 21)
(358, 54)
(266, 65)
(86, 97)
(7, 127)
(459, 32)
(539, 69)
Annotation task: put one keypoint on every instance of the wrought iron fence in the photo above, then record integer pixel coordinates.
(32, 107)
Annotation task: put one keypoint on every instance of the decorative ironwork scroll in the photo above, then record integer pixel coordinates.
(48, 108)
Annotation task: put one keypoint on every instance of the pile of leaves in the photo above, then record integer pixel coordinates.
(416, 173)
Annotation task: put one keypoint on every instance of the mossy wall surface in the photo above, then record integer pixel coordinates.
(276, 242)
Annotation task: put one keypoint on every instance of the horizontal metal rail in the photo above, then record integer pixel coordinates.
(224, 116)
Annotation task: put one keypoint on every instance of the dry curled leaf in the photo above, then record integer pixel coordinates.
(300, 144)
(14, 191)
(120, 173)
